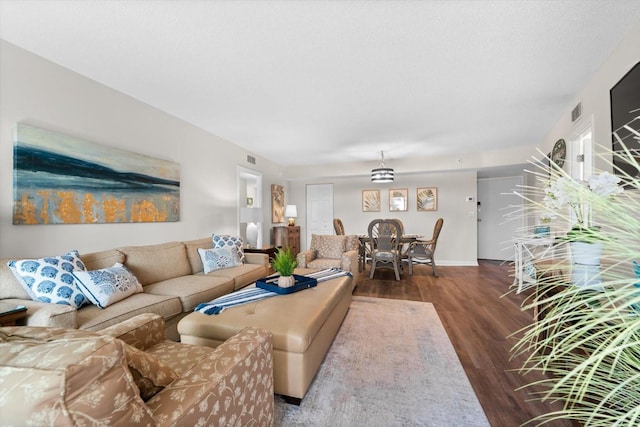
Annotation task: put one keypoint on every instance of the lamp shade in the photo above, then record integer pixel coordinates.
(291, 211)
(382, 173)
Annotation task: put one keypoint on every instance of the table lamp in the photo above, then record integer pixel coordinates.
(292, 213)
(251, 216)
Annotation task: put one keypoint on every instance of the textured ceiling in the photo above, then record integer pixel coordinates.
(333, 81)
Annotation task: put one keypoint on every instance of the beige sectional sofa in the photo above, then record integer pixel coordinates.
(171, 275)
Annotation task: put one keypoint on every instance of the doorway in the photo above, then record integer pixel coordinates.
(250, 196)
(497, 226)
(319, 210)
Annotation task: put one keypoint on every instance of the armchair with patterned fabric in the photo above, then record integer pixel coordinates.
(129, 374)
(331, 251)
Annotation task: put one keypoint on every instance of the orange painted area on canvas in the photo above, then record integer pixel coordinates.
(25, 211)
(87, 208)
(114, 210)
(68, 211)
(145, 211)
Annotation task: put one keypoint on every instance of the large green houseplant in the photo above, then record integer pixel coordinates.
(588, 343)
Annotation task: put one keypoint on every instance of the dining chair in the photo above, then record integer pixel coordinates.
(384, 241)
(423, 251)
(338, 227)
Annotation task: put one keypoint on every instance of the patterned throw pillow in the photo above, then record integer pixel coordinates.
(149, 373)
(328, 246)
(51, 279)
(108, 285)
(222, 241)
(217, 258)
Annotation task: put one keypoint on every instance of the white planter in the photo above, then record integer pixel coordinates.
(585, 268)
(286, 281)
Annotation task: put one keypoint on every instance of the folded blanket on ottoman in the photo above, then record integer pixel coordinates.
(250, 294)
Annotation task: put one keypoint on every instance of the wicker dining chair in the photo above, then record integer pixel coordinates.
(423, 251)
(385, 245)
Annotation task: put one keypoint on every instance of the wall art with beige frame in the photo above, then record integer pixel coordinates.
(398, 200)
(427, 199)
(277, 203)
(370, 200)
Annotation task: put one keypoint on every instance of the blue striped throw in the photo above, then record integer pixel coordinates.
(246, 295)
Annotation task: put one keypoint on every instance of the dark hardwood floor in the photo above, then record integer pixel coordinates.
(479, 313)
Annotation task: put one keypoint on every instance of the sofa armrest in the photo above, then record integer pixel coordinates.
(233, 385)
(305, 257)
(349, 261)
(44, 314)
(255, 258)
(142, 331)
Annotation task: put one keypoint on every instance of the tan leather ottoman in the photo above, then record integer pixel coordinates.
(303, 325)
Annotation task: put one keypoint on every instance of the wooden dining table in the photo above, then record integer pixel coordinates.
(364, 239)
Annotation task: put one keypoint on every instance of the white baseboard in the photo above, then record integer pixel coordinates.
(456, 263)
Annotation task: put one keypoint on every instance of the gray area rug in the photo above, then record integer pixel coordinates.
(391, 364)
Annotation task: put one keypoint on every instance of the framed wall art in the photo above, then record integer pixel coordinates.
(427, 199)
(370, 200)
(398, 200)
(60, 179)
(277, 203)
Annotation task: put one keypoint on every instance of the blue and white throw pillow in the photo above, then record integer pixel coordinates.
(108, 285)
(217, 258)
(225, 241)
(51, 279)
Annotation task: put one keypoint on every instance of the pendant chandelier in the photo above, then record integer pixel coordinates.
(382, 174)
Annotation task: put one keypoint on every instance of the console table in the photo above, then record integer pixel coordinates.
(11, 313)
(526, 251)
(269, 250)
(288, 237)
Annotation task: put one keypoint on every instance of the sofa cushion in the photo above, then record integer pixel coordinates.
(10, 287)
(192, 247)
(94, 318)
(108, 285)
(322, 263)
(66, 377)
(217, 258)
(154, 263)
(241, 275)
(50, 279)
(193, 289)
(328, 246)
(149, 373)
(102, 259)
(223, 240)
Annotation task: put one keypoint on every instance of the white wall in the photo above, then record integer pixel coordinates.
(595, 98)
(458, 241)
(37, 92)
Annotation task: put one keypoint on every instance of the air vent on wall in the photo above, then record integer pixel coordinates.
(251, 159)
(576, 112)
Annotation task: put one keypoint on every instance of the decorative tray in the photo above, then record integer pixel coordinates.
(270, 284)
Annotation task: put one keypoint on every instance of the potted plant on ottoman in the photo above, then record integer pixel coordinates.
(284, 263)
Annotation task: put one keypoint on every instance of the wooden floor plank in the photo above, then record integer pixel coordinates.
(479, 313)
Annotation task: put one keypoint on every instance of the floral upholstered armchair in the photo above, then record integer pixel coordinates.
(330, 251)
(128, 374)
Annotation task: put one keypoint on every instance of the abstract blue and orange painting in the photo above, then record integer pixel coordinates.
(59, 179)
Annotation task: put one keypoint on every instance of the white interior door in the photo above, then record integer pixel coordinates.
(319, 210)
(495, 230)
